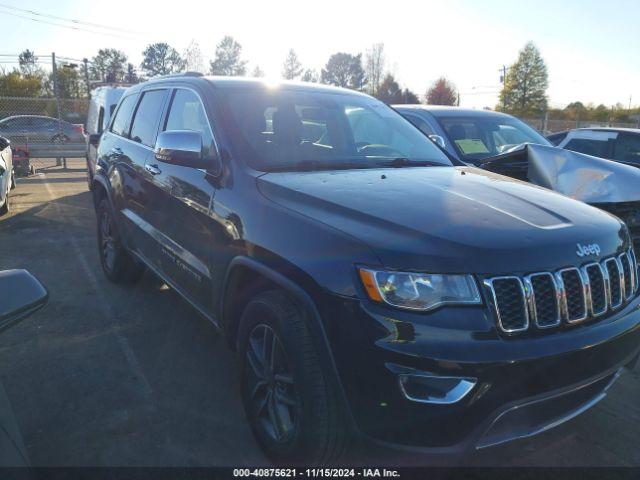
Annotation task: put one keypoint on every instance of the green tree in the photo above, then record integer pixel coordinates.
(131, 76)
(161, 59)
(228, 59)
(15, 85)
(108, 65)
(390, 92)
(525, 86)
(69, 83)
(257, 72)
(28, 63)
(442, 92)
(292, 68)
(344, 70)
(310, 75)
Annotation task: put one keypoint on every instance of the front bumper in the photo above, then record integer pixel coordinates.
(524, 385)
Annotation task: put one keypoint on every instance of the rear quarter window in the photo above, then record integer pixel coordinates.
(122, 120)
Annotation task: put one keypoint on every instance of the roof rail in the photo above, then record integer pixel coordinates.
(180, 74)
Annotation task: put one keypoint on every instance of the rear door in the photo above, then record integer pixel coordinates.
(129, 144)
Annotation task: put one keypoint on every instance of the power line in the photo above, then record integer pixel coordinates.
(79, 22)
(64, 26)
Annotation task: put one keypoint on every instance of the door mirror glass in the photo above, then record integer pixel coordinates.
(183, 147)
(4, 143)
(21, 294)
(438, 140)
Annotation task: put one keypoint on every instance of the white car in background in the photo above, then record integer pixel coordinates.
(101, 106)
(7, 179)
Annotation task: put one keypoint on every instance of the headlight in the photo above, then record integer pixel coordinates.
(419, 291)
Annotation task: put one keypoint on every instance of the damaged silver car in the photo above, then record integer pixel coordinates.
(503, 144)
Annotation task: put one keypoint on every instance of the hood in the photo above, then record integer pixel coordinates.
(448, 219)
(576, 175)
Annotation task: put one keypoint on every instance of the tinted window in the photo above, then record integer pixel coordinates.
(122, 120)
(288, 130)
(187, 113)
(101, 120)
(420, 123)
(479, 137)
(44, 123)
(596, 148)
(147, 117)
(627, 148)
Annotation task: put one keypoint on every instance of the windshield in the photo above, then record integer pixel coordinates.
(292, 130)
(478, 137)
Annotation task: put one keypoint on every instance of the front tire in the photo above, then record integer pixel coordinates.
(117, 264)
(291, 403)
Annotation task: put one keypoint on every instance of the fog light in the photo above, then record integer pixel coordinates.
(435, 389)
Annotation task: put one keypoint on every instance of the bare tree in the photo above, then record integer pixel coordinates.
(193, 57)
(374, 64)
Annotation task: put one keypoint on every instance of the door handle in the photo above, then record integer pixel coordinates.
(152, 169)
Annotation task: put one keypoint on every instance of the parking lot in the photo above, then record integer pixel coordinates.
(108, 375)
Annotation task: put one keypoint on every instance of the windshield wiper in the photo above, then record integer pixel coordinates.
(400, 162)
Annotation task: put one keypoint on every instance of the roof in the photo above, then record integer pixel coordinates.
(249, 83)
(607, 129)
(447, 111)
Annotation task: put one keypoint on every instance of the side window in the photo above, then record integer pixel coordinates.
(147, 117)
(596, 148)
(187, 113)
(420, 123)
(100, 120)
(122, 120)
(627, 148)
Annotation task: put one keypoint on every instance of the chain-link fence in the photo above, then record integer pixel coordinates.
(43, 109)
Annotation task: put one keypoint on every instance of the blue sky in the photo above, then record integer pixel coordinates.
(591, 47)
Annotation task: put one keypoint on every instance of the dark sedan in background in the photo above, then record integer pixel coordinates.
(618, 144)
(490, 140)
(44, 136)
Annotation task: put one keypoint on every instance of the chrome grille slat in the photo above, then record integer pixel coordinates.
(613, 269)
(576, 293)
(505, 308)
(544, 300)
(544, 303)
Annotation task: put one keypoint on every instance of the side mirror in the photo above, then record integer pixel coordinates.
(438, 140)
(21, 294)
(94, 139)
(184, 148)
(4, 143)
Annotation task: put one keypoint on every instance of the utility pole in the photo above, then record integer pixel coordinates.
(503, 81)
(86, 76)
(54, 72)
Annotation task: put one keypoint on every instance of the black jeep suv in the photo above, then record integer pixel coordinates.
(373, 286)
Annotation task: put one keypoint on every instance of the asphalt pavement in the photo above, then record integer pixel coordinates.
(107, 375)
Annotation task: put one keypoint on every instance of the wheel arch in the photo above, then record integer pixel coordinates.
(231, 309)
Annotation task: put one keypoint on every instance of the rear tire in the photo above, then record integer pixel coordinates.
(117, 263)
(4, 209)
(89, 177)
(292, 404)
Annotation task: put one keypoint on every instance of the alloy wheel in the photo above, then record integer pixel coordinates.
(107, 241)
(270, 385)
